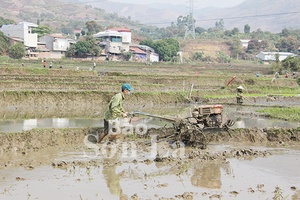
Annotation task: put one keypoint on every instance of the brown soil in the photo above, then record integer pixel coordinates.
(35, 148)
(37, 139)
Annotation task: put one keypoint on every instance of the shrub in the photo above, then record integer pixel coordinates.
(17, 51)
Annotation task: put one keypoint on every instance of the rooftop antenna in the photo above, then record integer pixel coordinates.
(190, 26)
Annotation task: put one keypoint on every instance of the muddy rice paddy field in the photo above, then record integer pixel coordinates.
(54, 155)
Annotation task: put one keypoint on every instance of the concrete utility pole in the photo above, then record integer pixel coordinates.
(190, 27)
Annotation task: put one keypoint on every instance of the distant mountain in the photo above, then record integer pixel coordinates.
(59, 14)
(268, 15)
(156, 14)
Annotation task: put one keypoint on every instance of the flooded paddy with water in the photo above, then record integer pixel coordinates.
(51, 119)
(140, 168)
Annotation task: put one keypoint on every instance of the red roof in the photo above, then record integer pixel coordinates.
(137, 50)
(120, 29)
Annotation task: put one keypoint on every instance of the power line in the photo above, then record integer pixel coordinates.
(236, 17)
(250, 16)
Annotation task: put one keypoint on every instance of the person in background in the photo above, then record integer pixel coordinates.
(44, 64)
(115, 110)
(94, 65)
(239, 95)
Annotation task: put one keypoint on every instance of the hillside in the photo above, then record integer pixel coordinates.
(268, 15)
(209, 48)
(58, 14)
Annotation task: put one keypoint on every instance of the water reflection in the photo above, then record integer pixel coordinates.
(112, 178)
(245, 117)
(208, 174)
(19, 125)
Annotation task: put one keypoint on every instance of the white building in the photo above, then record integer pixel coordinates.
(57, 44)
(115, 40)
(271, 56)
(245, 43)
(22, 30)
(111, 41)
(126, 34)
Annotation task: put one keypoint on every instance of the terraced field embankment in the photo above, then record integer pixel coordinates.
(153, 84)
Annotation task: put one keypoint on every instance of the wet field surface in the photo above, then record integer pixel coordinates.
(244, 117)
(133, 178)
(96, 171)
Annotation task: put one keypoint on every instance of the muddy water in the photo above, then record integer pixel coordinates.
(28, 124)
(77, 172)
(122, 177)
(245, 117)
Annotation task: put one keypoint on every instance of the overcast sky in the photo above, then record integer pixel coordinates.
(198, 3)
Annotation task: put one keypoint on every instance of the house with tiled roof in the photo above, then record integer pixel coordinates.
(144, 53)
(115, 41)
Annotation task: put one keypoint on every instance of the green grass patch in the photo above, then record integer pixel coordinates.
(286, 113)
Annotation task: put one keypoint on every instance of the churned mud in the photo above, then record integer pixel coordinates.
(67, 163)
(237, 164)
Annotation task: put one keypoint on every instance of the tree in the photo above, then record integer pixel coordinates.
(94, 48)
(93, 27)
(291, 63)
(285, 32)
(236, 48)
(148, 42)
(247, 29)
(199, 30)
(71, 51)
(235, 31)
(232, 32)
(289, 44)
(82, 48)
(182, 21)
(220, 25)
(127, 55)
(17, 51)
(254, 46)
(42, 30)
(4, 21)
(167, 48)
(3, 43)
(86, 46)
